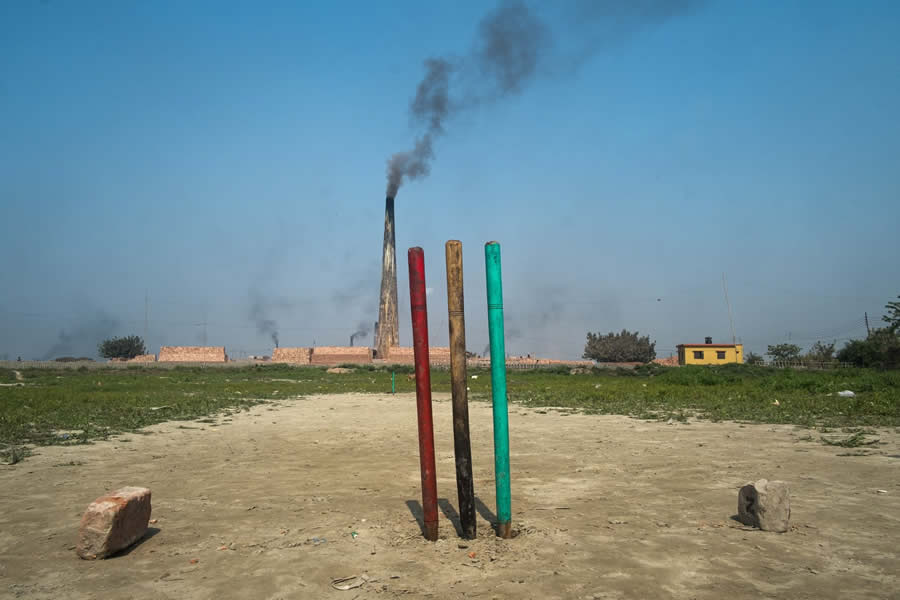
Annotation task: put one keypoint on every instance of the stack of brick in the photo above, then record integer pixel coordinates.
(582, 363)
(206, 354)
(336, 355)
(143, 358)
(672, 361)
(140, 358)
(294, 356)
(526, 362)
(405, 355)
(439, 355)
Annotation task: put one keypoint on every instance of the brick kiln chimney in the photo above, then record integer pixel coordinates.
(387, 333)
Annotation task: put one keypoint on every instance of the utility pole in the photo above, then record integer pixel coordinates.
(866, 315)
(728, 303)
(146, 313)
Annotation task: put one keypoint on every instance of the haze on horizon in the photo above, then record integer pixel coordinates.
(213, 173)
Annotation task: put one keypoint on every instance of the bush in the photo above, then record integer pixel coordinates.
(124, 347)
(880, 350)
(619, 347)
(752, 358)
(820, 352)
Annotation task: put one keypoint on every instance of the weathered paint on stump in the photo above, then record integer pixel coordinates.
(113, 522)
(462, 445)
(419, 311)
(498, 387)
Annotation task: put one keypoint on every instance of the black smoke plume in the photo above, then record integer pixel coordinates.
(362, 330)
(259, 313)
(83, 338)
(512, 44)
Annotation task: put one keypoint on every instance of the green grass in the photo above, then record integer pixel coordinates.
(733, 392)
(66, 406)
(14, 454)
(70, 406)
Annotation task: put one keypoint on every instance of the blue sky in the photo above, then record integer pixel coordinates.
(209, 155)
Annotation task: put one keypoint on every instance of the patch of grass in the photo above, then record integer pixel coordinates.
(100, 402)
(862, 430)
(7, 375)
(731, 392)
(854, 441)
(14, 455)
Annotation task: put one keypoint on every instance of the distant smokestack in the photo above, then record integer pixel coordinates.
(360, 333)
(388, 332)
(709, 340)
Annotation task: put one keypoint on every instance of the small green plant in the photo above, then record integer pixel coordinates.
(14, 455)
(856, 440)
(752, 358)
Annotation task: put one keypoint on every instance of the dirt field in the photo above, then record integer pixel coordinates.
(263, 505)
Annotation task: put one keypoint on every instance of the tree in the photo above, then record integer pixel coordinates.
(124, 347)
(821, 352)
(752, 358)
(881, 349)
(619, 347)
(784, 352)
(893, 316)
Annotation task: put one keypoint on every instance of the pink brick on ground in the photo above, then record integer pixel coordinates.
(114, 522)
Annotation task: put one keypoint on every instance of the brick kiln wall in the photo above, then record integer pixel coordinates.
(406, 355)
(335, 355)
(209, 354)
(295, 356)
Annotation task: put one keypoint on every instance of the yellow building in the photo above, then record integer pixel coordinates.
(710, 354)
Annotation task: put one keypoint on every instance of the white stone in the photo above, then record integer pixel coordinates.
(765, 504)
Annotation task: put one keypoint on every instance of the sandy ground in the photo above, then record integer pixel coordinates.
(606, 507)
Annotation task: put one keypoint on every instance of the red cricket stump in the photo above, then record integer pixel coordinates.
(419, 312)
